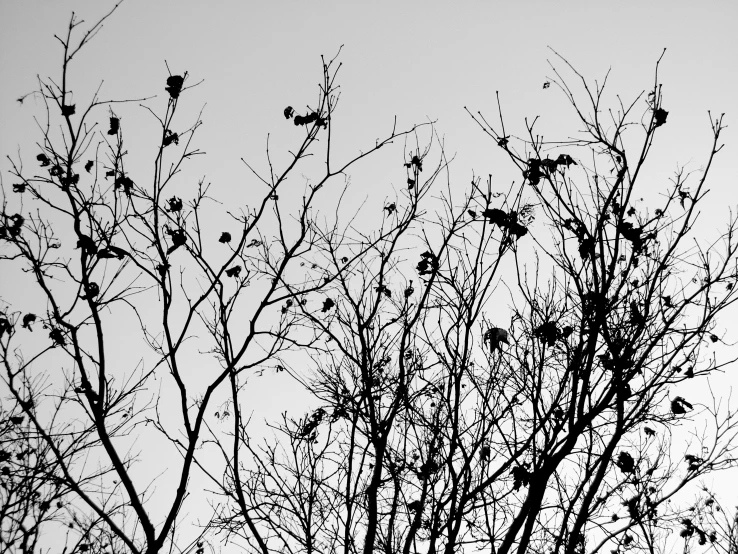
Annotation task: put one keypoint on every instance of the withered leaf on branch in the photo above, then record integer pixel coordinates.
(521, 476)
(57, 337)
(111, 252)
(312, 117)
(496, 336)
(27, 320)
(87, 245)
(328, 303)
(44, 159)
(537, 168)
(694, 461)
(626, 463)
(517, 230)
(174, 85)
(309, 428)
(20, 187)
(88, 165)
(636, 316)
(16, 225)
(428, 263)
(496, 216)
(586, 248)
(415, 161)
(68, 179)
(289, 111)
(225, 236)
(5, 325)
(548, 333)
(409, 290)
(565, 159)
(680, 406)
(415, 505)
(114, 126)
(124, 182)
(179, 238)
(68, 110)
(382, 289)
(92, 290)
(175, 204)
(507, 221)
(549, 165)
(659, 117)
(427, 469)
(234, 271)
(169, 138)
(533, 173)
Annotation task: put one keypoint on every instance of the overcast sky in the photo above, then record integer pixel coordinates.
(417, 60)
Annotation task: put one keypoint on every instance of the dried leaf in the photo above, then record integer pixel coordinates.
(27, 320)
(169, 138)
(659, 117)
(234, 271)
(175, 204)
(114, 125)
(174, 85)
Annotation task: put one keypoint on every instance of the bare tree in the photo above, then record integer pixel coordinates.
(30, 493)
(119, 262)
(711, 520)
(444, 420)
(491, 369)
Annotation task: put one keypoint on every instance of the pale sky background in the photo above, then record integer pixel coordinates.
(416, 60)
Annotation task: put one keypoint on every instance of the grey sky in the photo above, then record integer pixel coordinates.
(416, 60)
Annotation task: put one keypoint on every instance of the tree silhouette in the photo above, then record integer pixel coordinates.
(116, 258)
(460, 400)
(437, 429)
